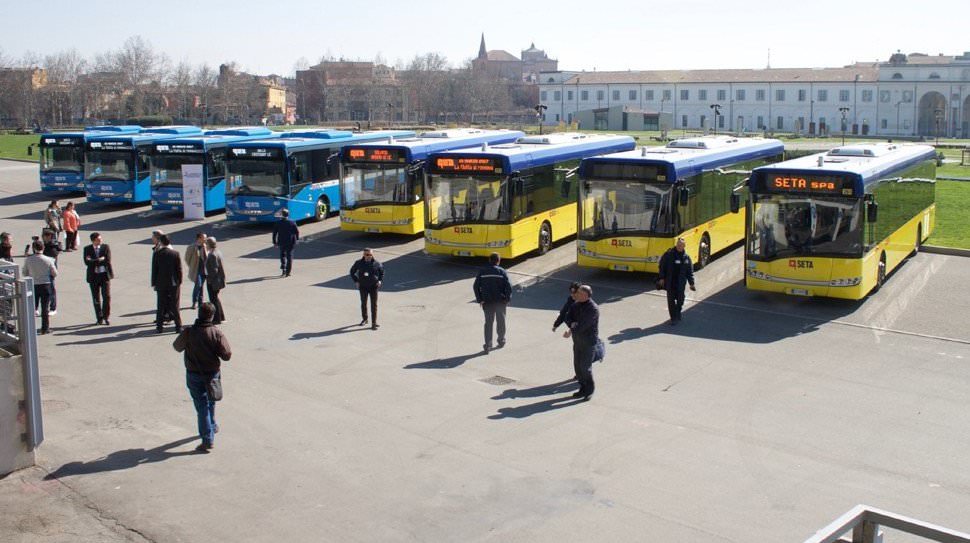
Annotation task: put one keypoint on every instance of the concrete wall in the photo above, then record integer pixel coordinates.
(13, 419)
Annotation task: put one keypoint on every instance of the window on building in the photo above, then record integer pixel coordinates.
(844, 95)
(801, 95)
(557, 117)
(884, 96)
(761, 122)
(801, 124)
(648, 95)
(779, 95)
(616, 95)
(666, 94)
(703, 121)
(721, 95)
(907, 96)
(739, 95)
(584, 95)
(823, 95)
(866, 95)
(542, 96)
(759, 95)
(884, 124)
(632, 95)
(821, 123)
(897, 75)
(702, 94)
(684, 94)
(720, 121)
(600, 95)
(569, 95)
(683, 121)
(557, 96)
(934, 75)
(780, 125)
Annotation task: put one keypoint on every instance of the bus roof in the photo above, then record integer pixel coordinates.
(247, 131)
(301, 139)
(148, 136)
(90, 132)
(208, 140)
(534, 151)
(690, 156)
(122, 128)
(174, 130)
(866, 163)
(420, 146)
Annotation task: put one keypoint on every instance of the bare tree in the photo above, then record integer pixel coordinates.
(63, 96)
(425, 80)
(205, 83)
(141, 67)
(181, 80)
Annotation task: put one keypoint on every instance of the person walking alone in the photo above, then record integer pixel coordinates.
(204, 347)
(166, 280)
(72, 223)
(97, 258)
(368, 275)
(584, 319)
(41, 269)
(676, 271)
(52, 219)
(195, 255)
(285, 235)
(215, 274)
(493, 292)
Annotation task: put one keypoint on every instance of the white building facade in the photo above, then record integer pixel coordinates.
(909, 96)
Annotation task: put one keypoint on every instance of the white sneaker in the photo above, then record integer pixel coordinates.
(36, 312)
(51, 313)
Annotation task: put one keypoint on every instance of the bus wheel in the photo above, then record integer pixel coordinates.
(323, 208)
(704, 252)
(880, 273)
(545, 238)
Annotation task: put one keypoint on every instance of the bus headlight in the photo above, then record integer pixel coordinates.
(278, 214)
(401, 222)
(431, 239)
(584, 251)
(128, 195)
(346, 218)
(848, 282)
(652, 259)
(758, 274)
(497, 244)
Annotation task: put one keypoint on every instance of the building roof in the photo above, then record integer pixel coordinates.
(848, 74)
(920, 59)
(499, 55)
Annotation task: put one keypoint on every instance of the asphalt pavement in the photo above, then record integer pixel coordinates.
(760, 418)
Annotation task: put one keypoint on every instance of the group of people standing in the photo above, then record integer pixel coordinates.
(206, 267)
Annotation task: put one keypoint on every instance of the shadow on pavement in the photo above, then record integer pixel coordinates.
(253, 279)
(100, 330)
(444, 363)
(568, 385)
(409, 272)
(524, 411)
(126, 459)
(33, 197)
(342, 330)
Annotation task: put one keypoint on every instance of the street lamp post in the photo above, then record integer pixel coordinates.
(844, 111)
(898, 131)
(938, 115)
(717, 111)
(539, 109)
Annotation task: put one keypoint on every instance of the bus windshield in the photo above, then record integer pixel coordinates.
(377, 184)
(454, 200)
(109, 165)
(167, 169)
(256, 177)
(625, 208)
(784, 226)
(61, 159)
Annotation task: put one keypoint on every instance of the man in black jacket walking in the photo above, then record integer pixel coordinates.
(493, 292)
(285, 234)
(368, 275)
(584, 321)
(167, 281)
(97, 258)
(676, 271)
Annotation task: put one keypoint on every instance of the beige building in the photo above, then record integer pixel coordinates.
(350, 91)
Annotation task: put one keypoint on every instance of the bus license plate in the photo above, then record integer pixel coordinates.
(373, 230)
(620, 267)
(463, 253)
(798, 292)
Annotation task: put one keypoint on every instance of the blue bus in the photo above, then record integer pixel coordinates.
(62, 156)
(208, 150)
(116, 168)
(297, 171)
(382, 188)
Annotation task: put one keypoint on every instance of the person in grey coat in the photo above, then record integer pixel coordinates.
(215, 273)
(42, 270)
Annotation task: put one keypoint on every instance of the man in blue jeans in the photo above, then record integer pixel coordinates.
(285, 236)
(205, 347)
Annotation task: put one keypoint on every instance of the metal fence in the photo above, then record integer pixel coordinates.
(18, 336)
(864, 522)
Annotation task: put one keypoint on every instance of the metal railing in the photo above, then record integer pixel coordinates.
(18, 336)
(865, 522)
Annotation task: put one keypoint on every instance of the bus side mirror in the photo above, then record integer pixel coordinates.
(735, 202)
(684, 196)
(872, 212)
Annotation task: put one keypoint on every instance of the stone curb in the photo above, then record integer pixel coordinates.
(951, 251)
(19, 160)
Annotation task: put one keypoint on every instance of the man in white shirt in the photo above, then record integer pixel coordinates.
(42, 270)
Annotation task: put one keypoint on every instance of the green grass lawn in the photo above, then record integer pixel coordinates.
(13, 146)
(952, 219)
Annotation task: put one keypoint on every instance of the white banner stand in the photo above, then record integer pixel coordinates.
(193, 192)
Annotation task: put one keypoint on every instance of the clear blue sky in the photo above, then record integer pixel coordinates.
(582, 34)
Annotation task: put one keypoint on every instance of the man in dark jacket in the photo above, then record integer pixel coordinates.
(584, 319)
(52, 249)
(97, 258)
(205, 347)
(493, 292)
(285, 234)
(368, 274)
(676, 270)
(167, 281)
(564, 312)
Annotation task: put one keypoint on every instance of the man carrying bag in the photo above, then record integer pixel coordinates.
(205, 347)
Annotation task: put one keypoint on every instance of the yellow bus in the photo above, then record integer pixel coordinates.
(634, 205)
(381, 182)
(508, 199)
(835, 224)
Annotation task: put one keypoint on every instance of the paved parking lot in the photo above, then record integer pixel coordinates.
(760, 418)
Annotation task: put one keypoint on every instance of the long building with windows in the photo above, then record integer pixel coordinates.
(908, 96)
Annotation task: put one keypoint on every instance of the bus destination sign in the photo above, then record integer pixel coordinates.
(830, 185)
(178, 148)
(467, 164)
(375, 154)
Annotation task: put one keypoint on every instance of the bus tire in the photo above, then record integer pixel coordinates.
(880, 272)
(703, 252)
(545, 238)
(323, 209)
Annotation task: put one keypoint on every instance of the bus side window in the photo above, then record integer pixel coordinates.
(142, 162)
(299, 171)
(320, 167)
(217, 166)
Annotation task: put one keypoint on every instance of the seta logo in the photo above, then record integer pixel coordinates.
(621, 243)
(463, 229)
(801, 264)
(372, 210)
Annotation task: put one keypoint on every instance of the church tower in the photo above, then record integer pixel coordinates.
(482, 53)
